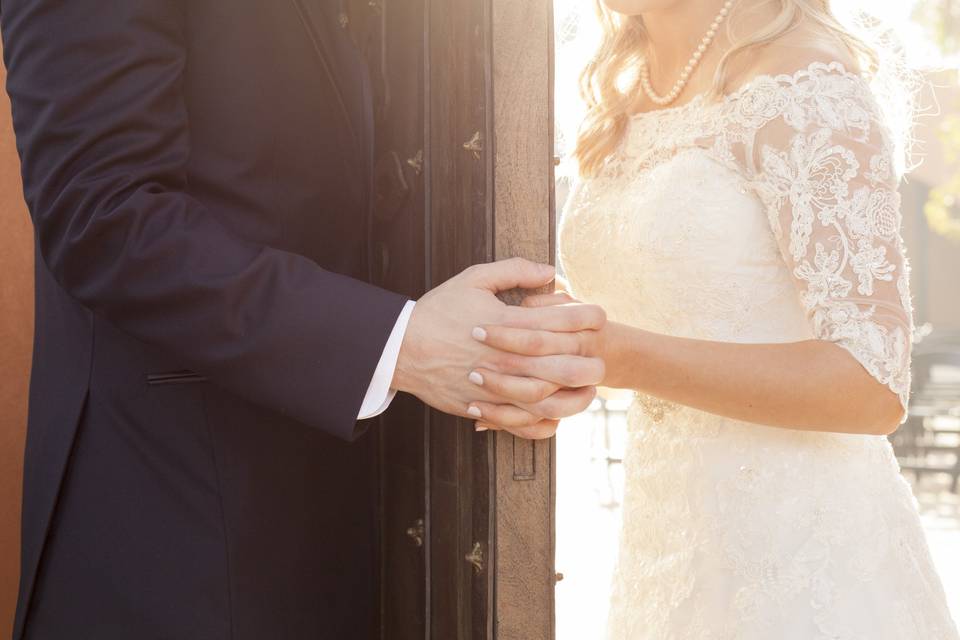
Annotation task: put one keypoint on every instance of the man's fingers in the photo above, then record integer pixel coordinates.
(567, 317)
(548, 299)
(510, 274)
(513, 388)
(532, 342)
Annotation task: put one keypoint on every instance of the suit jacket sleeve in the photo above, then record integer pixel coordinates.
(104, 138)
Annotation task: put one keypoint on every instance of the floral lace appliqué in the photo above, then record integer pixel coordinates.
(769, 216)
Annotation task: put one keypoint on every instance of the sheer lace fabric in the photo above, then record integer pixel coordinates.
(769, 216)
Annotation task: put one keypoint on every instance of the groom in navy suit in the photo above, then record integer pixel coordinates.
(198, 176)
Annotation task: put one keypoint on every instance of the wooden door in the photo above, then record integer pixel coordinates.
(463, 175)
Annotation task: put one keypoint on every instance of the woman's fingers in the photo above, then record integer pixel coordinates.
(533, 342)
(562, 370)
(536, 396)
(517, 389)
(506, 416)
(540, 431)
(562, 317)
(548, 299)
(562, 404)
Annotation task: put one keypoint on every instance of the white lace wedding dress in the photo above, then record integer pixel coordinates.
(769, 216)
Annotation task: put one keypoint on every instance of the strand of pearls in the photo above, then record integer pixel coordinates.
(679, 86)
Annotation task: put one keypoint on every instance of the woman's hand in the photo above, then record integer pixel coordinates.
(529, 341)
(525, 340)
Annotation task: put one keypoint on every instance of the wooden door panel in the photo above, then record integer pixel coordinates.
(464, 175)
(392, 43)
(458, 226)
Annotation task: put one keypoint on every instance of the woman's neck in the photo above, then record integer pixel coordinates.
(674, 34)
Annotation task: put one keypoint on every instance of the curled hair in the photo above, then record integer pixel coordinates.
(609, 84)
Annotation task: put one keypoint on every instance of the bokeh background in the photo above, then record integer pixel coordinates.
(590, 446)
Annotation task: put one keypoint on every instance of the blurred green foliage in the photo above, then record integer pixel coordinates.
(942, 210)
(941, 19)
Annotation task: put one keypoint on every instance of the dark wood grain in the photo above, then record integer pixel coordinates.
(463, 175)
(459, 231)
(390, 36)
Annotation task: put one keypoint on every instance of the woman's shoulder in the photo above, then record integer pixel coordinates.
(801, 84)
(801, 52)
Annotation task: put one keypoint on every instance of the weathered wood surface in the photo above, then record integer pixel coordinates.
(459, 227)
(522, 80)
(464, 175)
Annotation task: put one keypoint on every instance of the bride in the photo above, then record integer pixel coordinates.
(738, 218)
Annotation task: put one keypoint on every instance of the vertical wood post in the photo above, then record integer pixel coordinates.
(522, 63)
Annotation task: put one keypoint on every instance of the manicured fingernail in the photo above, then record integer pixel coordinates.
(480, 428)
(479, 334)
(474, 411)
(476, 378)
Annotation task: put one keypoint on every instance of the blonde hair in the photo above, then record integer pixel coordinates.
(609, 84)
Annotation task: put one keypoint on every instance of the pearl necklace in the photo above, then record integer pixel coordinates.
(691, 64)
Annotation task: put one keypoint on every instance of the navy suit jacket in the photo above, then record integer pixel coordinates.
(198, 173)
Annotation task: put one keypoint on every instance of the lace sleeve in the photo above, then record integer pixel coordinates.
(824, 169)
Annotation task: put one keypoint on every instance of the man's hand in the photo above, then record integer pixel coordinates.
(447, 362)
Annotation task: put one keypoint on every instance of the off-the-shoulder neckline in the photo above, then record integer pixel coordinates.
(788, 78)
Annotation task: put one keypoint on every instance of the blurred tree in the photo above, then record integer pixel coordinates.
(941, 19)
(942, 210)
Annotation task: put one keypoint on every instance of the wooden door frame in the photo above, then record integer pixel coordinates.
(467, 535)
(524, 226)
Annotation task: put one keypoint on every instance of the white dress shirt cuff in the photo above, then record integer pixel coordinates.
(379, 394)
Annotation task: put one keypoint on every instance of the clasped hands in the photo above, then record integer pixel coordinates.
(516, 368)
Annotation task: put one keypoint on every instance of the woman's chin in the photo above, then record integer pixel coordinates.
(637, 7)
